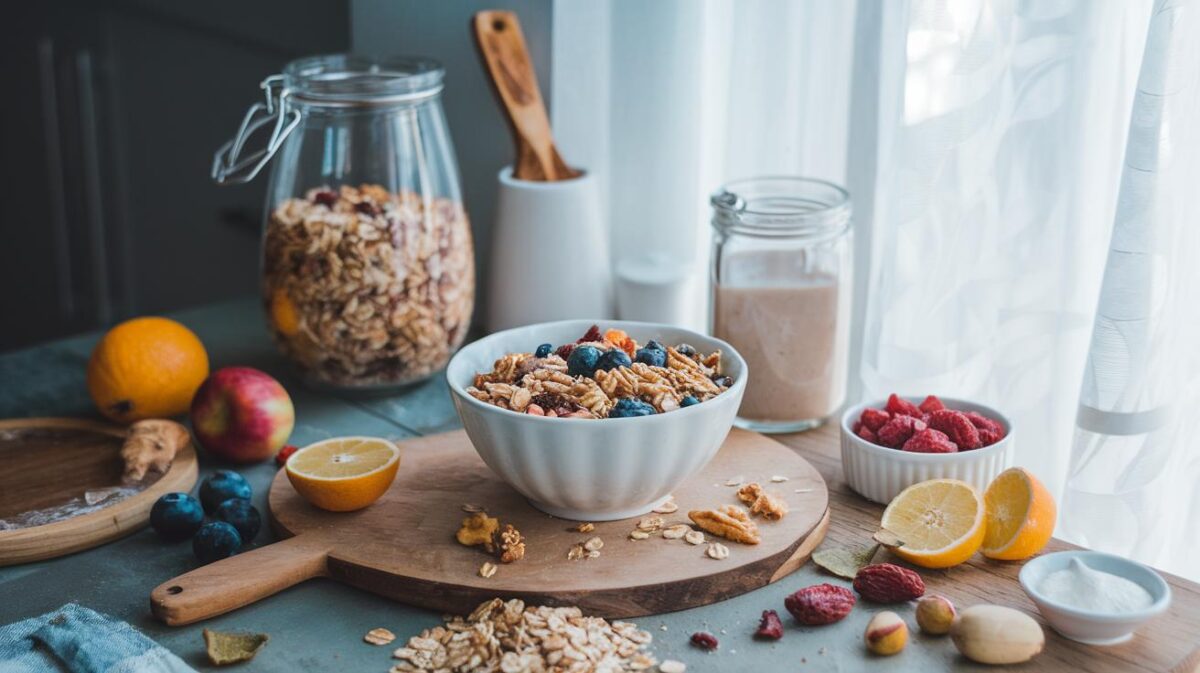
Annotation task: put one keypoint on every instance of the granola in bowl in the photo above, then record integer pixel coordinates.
(602, 375)
(366, 288)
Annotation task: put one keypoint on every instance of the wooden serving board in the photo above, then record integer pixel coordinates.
(50, 462)
(403, 546)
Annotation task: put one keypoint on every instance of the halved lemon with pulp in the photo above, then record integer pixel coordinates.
(940, 521)
(1020, 516)
(344, 473)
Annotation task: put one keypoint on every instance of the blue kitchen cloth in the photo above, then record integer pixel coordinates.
(74, 639)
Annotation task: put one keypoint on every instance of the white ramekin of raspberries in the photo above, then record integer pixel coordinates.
(892, 444)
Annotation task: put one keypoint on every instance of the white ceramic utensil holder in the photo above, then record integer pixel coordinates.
(549, 257)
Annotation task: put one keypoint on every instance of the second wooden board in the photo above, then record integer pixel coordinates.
(403, 546)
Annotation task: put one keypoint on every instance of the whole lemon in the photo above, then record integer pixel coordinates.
(146, 368)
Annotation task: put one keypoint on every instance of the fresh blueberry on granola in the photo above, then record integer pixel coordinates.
(605, 374)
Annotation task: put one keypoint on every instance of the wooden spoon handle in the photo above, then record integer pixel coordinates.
(237, 581)
(502, 45)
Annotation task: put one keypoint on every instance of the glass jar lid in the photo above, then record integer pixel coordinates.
(346, 80)
(782, 206)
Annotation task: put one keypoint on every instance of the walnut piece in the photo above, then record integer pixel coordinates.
(761, 502)
(478, 529)
(730, 522)
(512, 544)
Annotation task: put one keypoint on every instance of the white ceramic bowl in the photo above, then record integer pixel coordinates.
(879, 473)
(1086, 626)
(585, 469)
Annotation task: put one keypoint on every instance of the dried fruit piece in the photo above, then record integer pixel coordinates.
(729, 522)
(717, 551)
(769, 627)
(866, 434)
(888, 583)
(705, 640)
(931, 404)
(760, 502)
(886, 634)
(380, 636)
(897, 431)
(902, 407)
(930, 441)
(873, 419)
(844, 562)
(592, 335)
(820, 604)
(231, 648)
(990, 431)
(957, 427)
(285, 453)
(935, 615)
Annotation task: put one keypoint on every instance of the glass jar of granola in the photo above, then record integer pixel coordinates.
(368, 264)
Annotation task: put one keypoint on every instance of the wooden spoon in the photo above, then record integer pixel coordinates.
(502, 45)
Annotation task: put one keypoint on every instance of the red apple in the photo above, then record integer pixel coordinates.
(242, 415)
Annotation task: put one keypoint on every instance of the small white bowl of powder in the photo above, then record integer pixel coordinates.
(1093, 597)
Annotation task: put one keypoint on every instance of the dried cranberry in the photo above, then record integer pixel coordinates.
(564, 351)
(325, 198)
(770, 627)
(705, 640)
(593, 334)
(367, 208)
(284, 453)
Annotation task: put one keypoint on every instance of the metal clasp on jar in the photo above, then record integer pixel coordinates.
(229, 166)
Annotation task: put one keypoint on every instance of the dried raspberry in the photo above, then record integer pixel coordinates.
(901, 407)
(284, 453)
(896, 432)
(705, 640)
(325, 198)
(888, 583)
(990, 431)
(930, 441)
(957, 427)
(820, 604)
(874, 418)
(564, 351)
(931, 404)
(770, 627)
(593, 334)
(856, 427)
(866, 434)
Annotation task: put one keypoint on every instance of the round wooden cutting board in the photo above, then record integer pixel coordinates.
(53, 462)
(403, 546)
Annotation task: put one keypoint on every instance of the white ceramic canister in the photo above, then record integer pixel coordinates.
(549, 253)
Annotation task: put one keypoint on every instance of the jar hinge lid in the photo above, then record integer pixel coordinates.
(229, 167)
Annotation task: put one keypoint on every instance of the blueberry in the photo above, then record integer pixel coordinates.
(241, 515)
(221, 486)
(688, 401)
(655, 346)
(652, 356)
(686, 350)
(723, 381)
(176, 516)
(613, 359)
(216, 540)
(543, 351)
(627, 407)
(582, 361)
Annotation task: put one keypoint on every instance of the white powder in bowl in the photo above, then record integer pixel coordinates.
(1084, 588)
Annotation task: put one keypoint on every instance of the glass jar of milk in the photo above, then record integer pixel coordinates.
(782, 266)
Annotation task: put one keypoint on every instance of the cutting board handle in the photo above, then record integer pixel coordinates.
(231, 583)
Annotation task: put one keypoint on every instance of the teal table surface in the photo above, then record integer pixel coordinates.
(319, 625)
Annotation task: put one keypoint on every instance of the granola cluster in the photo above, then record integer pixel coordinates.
(365, 287)
(509, 637)
(602, 376)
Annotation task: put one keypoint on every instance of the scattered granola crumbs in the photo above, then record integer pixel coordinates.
(778, 478)
(512, 544)
(668, 507)
(638, 535)
(650, 523)
(730, 522)
(761, 502)
(694, 537)
(487, 570)
(717, 551)
(576, 552)
(585, 527)
(380, 636)
(478, 529)
(675, 532)
(594, 544)
(672, 666)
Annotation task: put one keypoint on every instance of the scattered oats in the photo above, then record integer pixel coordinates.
(594, 544)
(639, 535)
(672, 666)
(777, 478)
(667, 507)
(717, 551)
(487, 570)
(735, 481)
(650, 523)
(472, 508)
(694, 537)
(677, 531)
(594, 553)
(577, 552)
(379, 636)
(585, 527)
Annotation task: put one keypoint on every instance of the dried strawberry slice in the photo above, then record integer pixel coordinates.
(865, 433)
(874, 418)
(990, 430)
(930, 441)
(901, 407)
(769, 627)
(957, 427)
(896, 432)
(931, 404)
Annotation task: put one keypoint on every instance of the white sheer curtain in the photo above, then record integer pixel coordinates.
(985, 146)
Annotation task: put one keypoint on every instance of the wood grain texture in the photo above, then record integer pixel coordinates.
(1160, 645)
(502, 46)
(403, 546)
(49, 461)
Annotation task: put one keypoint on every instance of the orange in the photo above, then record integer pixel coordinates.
(940, 521)
(1020, 516)
(146, 368)
(344, 473)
